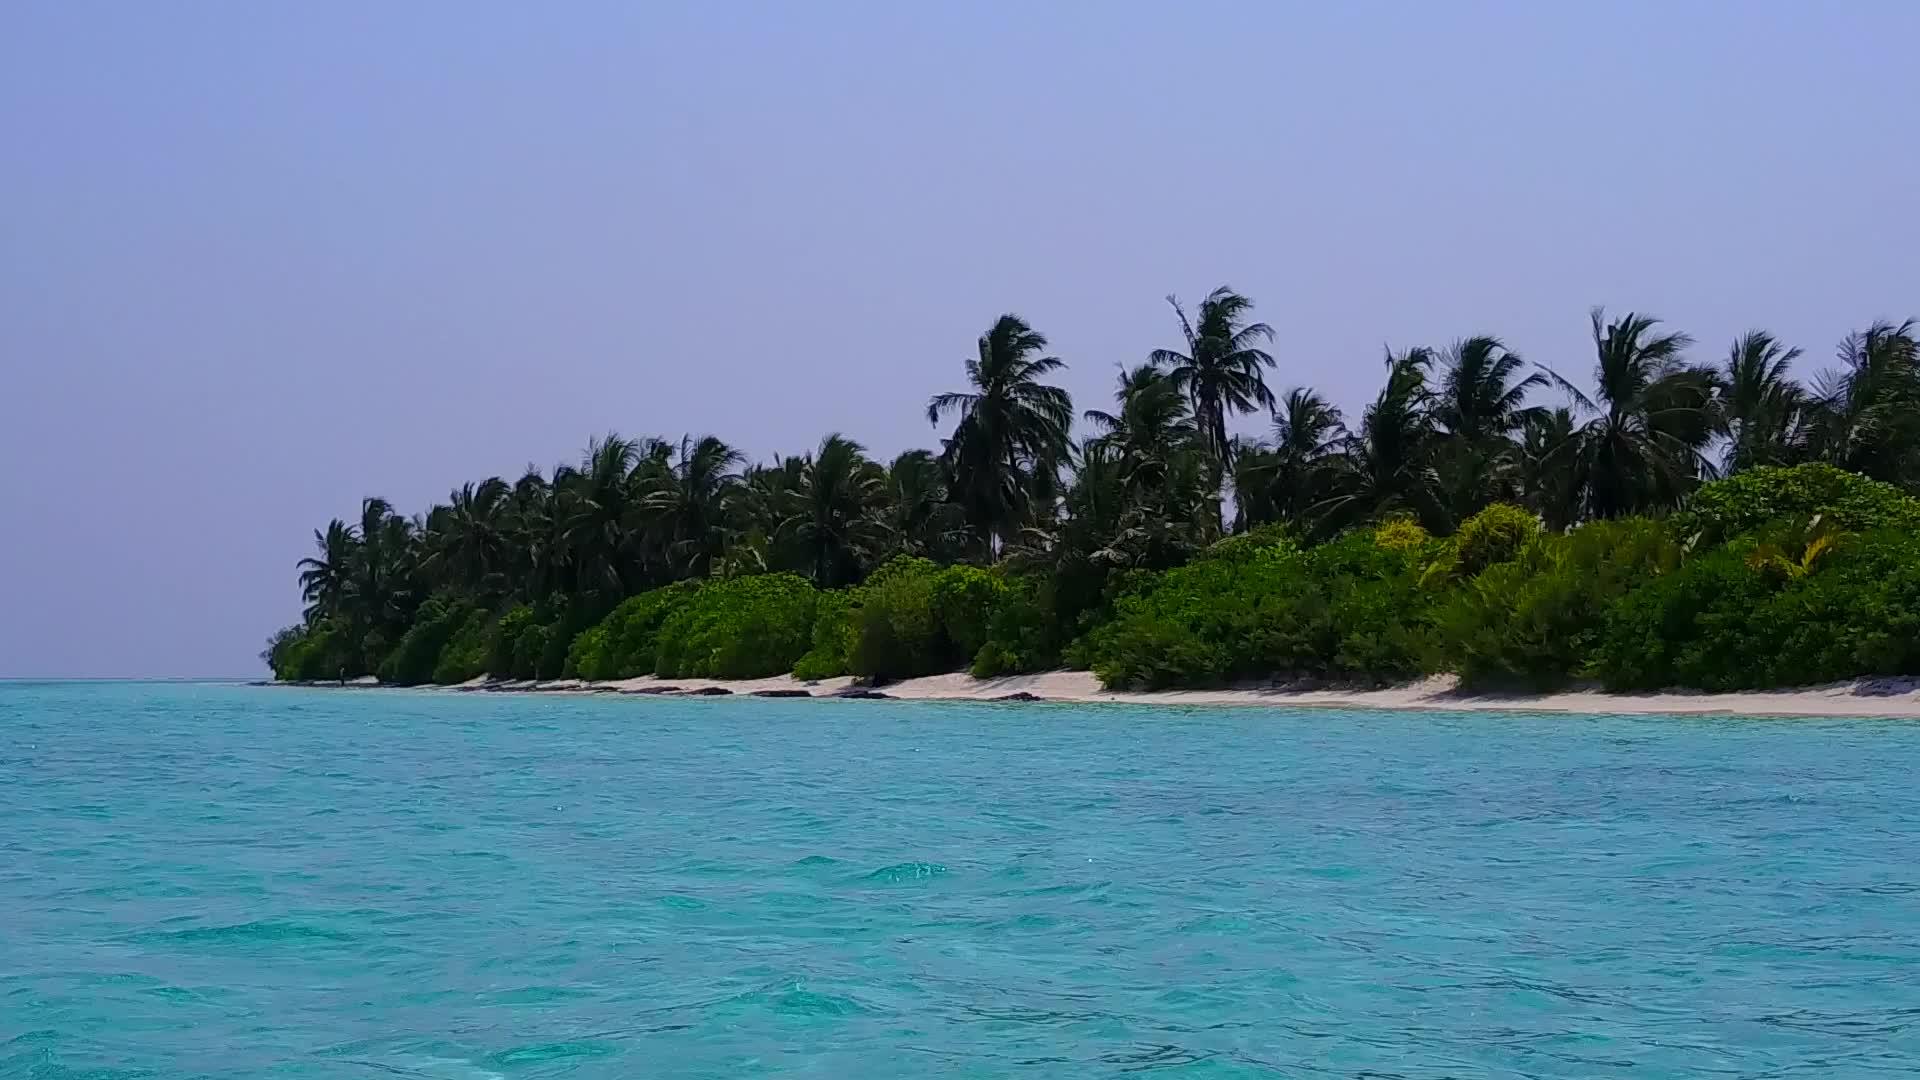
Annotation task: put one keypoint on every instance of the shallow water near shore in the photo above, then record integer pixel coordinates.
(229, 881)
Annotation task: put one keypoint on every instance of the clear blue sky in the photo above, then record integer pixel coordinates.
(260, 260)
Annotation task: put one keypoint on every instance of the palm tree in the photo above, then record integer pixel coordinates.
(1221, 369)
(1152, 429)
(368, 578)
(1387, 466)
(1097, 505)
(1549, 467)
(1042, 497)
(1866, 413)
(471, 537)
(1482, 393)
(1761, 405)
(595, 504)
(834, 519)
(1150, 450)
(919, 518)
(754, 507)
(379, 600)
(1644, 450)
(324, 581)
(1153, 529)
(534, 550)
(1284, 479)
(1011, 427)
(1480, 405)
(686, 497)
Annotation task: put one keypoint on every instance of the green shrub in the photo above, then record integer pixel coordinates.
(587, 656)
(566, 618)
(1348, 609)
(623, 645)
(316, 653)
(896, 630)
(831, 637)
(901, 566)
(501, 643)
(1686, 628)
(413, 659)
(1854, 612)
(286, 651)
(465, 654)
(1252, 543)
(1534, 620)
(330, 655)
(914, 618)
(1494, 535)
(964, 601)
(552, 663)
(1074, 597)
(529, 645)
(743, 628)
(1022, 633)
(375, 648)
(1749, 501)
(1400, 533)
(1729, 620)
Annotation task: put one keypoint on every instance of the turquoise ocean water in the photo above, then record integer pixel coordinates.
(228, 881)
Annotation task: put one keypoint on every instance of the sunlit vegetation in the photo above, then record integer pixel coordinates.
(1665, 520)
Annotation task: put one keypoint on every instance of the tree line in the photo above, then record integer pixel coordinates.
(1157, 481)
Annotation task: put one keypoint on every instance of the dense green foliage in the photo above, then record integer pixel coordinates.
(1704, 524)
(831, 638)
(529, 645)
(309, 654)
(1349, 609)
(1758, 498)
(1494, 535)
(916, 618)
(413, 660)
(464, 656)
(503, 642)
(743, 628)
(1022, 630)
(1744, 617)
(623, 644)
(1532, 621)
(894, 627)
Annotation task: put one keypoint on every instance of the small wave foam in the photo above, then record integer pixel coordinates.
(438, 1068)
(263, 931)
(908, 871)
(536, 1053)
(536, 995)
(798, 1002)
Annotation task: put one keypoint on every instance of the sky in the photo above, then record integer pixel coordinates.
(258, 261)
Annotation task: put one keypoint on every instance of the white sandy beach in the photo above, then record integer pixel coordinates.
(1890, 697)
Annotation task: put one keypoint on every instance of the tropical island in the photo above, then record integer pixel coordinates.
(1709, 525)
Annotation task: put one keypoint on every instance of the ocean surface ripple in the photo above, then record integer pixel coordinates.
(231, 881)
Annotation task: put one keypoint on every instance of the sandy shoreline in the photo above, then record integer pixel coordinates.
(1883, 697)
